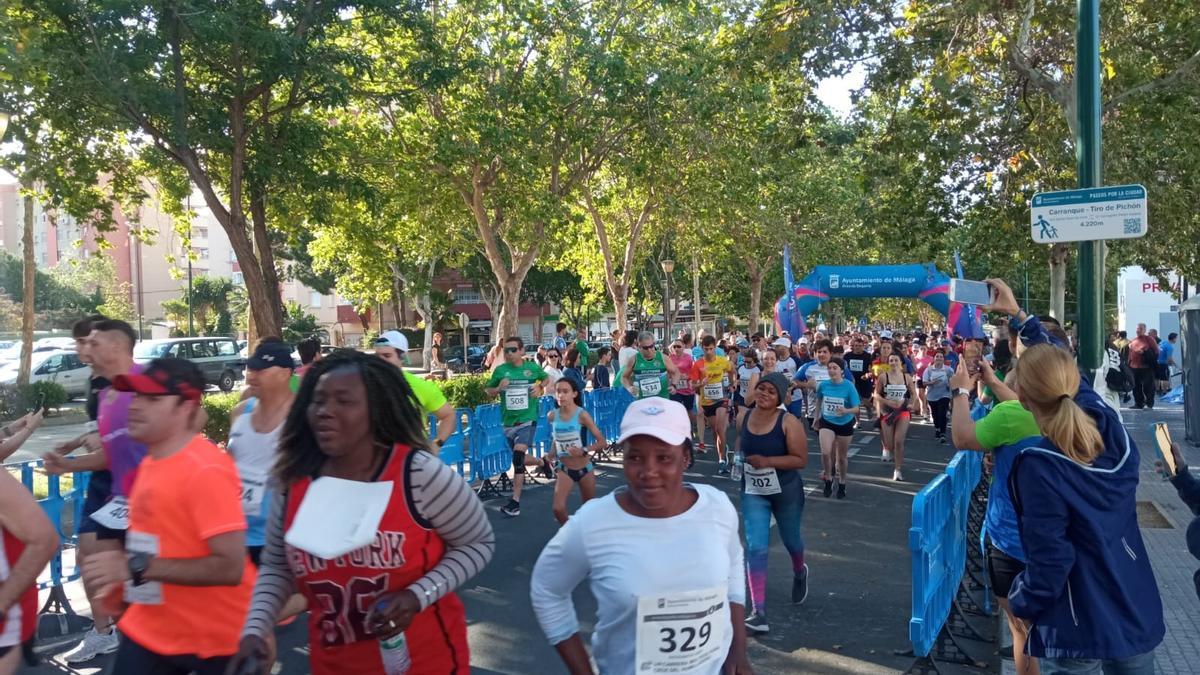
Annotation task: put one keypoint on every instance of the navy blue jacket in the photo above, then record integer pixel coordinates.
(1088, 587)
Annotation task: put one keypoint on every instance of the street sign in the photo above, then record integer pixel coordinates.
(1113, 212)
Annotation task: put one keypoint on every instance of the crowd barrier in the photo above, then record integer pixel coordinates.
(947, 564)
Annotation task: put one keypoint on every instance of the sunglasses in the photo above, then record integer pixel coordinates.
(646, 347)
(552, 356)
(511, 350)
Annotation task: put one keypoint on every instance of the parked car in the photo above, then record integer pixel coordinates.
(61, 366)
(12, 353)
(475, 357)
(217, 357)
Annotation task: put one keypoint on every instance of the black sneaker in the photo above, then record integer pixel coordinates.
(547, 468)
(841, 491)
(942, 440)
(828, 488)
(800, 587)
(757, 624)
(512, 509)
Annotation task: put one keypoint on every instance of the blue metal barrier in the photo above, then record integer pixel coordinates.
(543, 435)
(454, 451)
(607, 407)
(65, 511)
(938, 540)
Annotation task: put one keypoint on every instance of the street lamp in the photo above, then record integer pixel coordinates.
(668, 266)
(464, 322)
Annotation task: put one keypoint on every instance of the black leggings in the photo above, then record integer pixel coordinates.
(941, 409)
(134, 658)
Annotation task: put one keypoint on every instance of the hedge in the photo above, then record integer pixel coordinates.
(219, 407)
(466, 391)
(15, 400)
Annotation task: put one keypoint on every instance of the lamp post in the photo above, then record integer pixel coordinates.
(464, 322)
(191, 319)
(668, 266)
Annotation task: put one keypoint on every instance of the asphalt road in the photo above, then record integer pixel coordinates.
(855, 617)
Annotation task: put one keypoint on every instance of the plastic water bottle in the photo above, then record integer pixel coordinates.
(394, 652)
(735, 472)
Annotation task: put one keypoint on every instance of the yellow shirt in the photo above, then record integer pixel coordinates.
(711, 375)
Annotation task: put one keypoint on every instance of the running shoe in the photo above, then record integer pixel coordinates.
(841, 491)
(757, 624)
(512, 509)
(886, 456)
(942, 439)
(547, 469)
(828, 488)
(700, 448)
(722, 469)
(897, 476)
(800, 587)
(94, 644)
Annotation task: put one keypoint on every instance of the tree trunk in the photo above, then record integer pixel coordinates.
(266, 259)
(696, 293)
(1058, 281)
(397, 291)
(504, 325)
(27, 295)
(620, 300)
(756, 279)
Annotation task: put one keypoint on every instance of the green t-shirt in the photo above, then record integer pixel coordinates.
(582, 347)
(650, 376)
(517, 402)
(1006, 424)
(429, 396)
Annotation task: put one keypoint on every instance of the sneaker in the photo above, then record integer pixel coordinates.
(942, 440)
(897, 476)
(512, 509)
(841, 491)
(828, 488)
(757, 624)
(722, 469)
(886, 456)
(800, 587)
(701, 449)
(94, 644)
(547, 469)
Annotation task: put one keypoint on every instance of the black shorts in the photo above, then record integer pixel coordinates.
(846, 429)
(711, 410)
(866, 390)
(99, 490)
(686, 400)
(255, 553)
(1163, 372)
(1002, 570)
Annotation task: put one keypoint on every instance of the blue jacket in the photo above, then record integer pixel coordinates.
(1088, 587)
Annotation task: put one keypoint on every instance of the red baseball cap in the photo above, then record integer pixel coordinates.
(164, 377)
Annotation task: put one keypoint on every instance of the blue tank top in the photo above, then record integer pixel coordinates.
(567, 433)
(771, 444)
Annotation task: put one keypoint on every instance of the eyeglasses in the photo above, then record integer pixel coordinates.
(552, 356)
(511, 350)
(647, 347)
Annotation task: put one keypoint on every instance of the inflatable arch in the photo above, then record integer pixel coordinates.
(922, 281)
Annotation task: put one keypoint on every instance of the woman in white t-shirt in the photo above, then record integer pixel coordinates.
(553, 368)
(663, 559)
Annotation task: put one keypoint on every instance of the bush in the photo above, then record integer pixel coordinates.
(219, 407)
(466, 391)
(16, 401)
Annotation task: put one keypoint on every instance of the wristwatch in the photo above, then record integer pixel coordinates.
(439, 442)
(138, 564)
(962, 391)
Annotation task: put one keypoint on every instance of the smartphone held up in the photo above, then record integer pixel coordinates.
(970, 292)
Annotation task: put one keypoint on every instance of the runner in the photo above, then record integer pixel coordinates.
(27, 543)
(775, 450)
(650, 374)
(392, 347)
(837, 404)
(254, 427)
(810, 376)
(896, 394)
(684, 395)
(858, 368)
(748, 374)
(184, 580)
(937, 390)
(389, 605)
(574, 465)
(654, 543)
(708, 376)
(519, 384)
(921, 359)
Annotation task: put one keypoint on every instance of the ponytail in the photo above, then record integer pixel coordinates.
(1048, 384)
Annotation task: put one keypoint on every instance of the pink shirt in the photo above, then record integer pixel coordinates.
(683, 361)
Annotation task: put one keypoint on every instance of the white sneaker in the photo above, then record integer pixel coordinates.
(94, 644)
(896, 475)
(886, 456)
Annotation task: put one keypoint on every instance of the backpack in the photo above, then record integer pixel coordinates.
(1120, 379)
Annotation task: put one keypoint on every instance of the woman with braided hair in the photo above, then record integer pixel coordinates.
(355, 419)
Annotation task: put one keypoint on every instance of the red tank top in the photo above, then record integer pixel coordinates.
(340, 592)
(18, 624)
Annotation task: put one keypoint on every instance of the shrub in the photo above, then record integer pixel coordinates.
(16, 401)
(466, 391)
(219, 407)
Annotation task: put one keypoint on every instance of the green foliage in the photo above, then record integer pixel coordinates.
(298, 324)
(49, 291)
(466, 391)
(97, 276)
(368, 339)
(17, 400)
(219, 407)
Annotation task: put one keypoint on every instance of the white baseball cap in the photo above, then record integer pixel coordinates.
(803, 340)
(394, 339)
(655, 416)
(782, 342)
(885, 335)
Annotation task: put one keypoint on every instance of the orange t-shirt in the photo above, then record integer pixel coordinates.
(175, 506)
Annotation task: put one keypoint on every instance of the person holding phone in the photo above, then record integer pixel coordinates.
(15, 433)
(354, 419)
(1188, 487)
